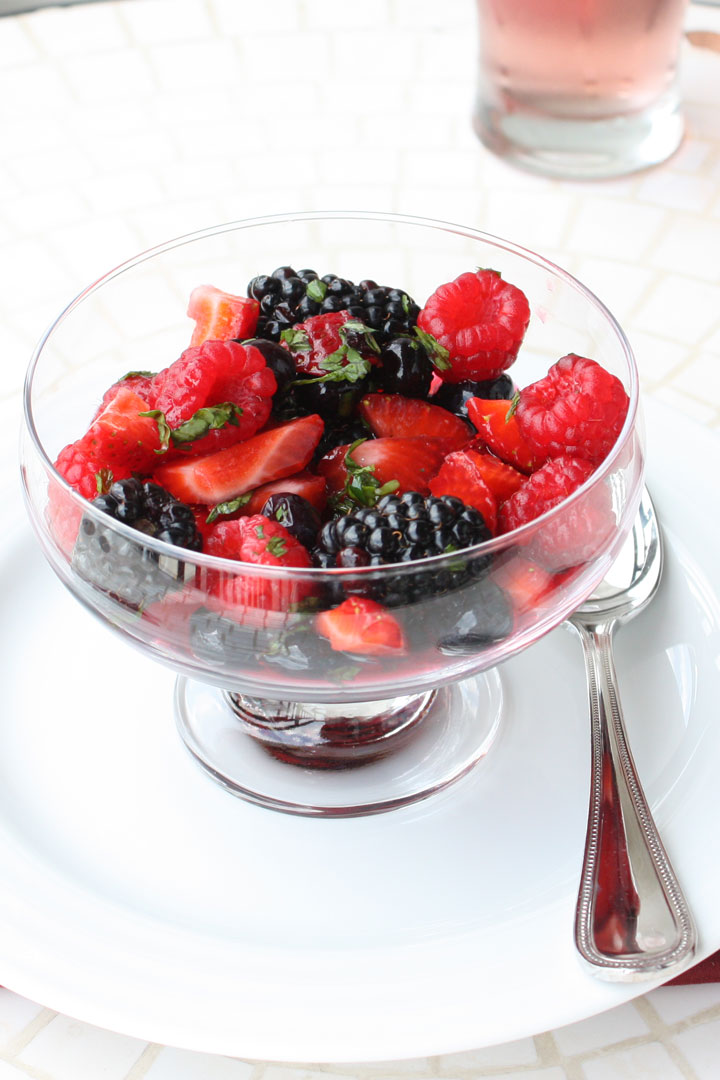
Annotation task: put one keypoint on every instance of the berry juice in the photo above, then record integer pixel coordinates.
(548, 67)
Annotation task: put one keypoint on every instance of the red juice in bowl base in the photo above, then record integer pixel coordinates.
(580, 58)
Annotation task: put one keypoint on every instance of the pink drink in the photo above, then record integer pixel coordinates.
(553, 72)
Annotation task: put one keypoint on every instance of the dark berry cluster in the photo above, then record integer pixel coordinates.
(125, 567)
(151, 509)
(289, 296)
(403, 529)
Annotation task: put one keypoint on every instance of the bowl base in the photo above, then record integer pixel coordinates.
(339, 761)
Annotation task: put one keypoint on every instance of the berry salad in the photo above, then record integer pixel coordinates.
(315, 423)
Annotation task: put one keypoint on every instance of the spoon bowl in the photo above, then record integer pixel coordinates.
(632, 920)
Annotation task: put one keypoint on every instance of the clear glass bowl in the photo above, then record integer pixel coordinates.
(263, 702)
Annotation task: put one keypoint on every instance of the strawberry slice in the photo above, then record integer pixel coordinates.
(219, 477)
(409, 462)
(395, 415)
(527, 584)
(220, 315)
(121, 437)
(498, 427)
(502, 479)
(360, 625)
(462, 477)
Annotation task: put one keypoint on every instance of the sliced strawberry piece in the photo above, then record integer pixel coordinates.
(502, 479)
(220, 315)
(262, 542)
(460, 476)
(360, 625)
(498, 427)
(215, 478)
(527, 584)
(88, 477)
(411, 462)
(139, 381)
(394, 415)
(120, 436)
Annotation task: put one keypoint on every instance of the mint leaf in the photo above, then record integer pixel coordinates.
(513, 406)
(222, 509)
(362, 486)
(316, 290)
(134, 374)
(296, 339)
(439, 355)
(277, 546)
(204, 420)
(164, 429)
(200, 423)
(103, 481)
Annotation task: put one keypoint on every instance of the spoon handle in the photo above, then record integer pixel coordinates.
(632, 921)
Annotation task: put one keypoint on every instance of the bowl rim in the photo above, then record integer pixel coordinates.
(214, 562)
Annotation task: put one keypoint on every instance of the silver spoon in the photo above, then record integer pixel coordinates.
(632, 921)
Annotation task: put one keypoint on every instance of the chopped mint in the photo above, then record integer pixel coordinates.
(103, 481)
(277, 546)
(296, 339)
(200, 423)
(316, 290)
(223, 509)
(438, 354)
(362, 487)
(135, 374)
(513, 406)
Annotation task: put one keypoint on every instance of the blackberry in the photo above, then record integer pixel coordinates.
(340, 434)
(125, 568)
(403, 529)
(455, 396)
(277, 359)
(299, 517)
(287, 297)
(333, 400)
(404, 368)
(462, 622)
(225, 643)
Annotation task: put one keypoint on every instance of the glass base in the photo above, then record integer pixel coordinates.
(339, 760)
(585, 148)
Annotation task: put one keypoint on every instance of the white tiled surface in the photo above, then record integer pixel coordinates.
(128, 122)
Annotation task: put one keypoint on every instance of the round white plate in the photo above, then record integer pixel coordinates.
(137, 895)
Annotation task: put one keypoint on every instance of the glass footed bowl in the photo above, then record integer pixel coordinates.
(263, 702)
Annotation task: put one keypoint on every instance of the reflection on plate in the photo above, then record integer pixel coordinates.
(139, 896)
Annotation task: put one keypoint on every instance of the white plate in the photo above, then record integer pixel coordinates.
(139, 896)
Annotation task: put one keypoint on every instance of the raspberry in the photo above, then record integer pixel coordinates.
(77, 464)
(578, 408)
(264, 542)
(481, 321)
(210, 374)
(579, 532)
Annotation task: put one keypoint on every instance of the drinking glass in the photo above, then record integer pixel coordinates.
(580, 88)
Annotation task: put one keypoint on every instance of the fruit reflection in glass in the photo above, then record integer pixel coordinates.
(321, 498)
